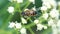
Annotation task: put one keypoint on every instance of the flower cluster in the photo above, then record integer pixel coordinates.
(18, 1)
(24, 21)
(10, 9)
(15, 25)
(45, 16)
(23, 31)
(39, 25)
(52, 16)
(33, 1)
(54, 13)
(21, 1)
(49, 3)
(18, 26)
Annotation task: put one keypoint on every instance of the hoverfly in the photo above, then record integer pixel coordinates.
(29, 12)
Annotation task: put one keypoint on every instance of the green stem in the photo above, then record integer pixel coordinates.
(28, 3)
(31, 31)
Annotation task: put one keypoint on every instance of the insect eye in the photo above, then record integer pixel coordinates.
(23, 13)
(35, 12)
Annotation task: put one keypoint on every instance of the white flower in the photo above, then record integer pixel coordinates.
(33, 1)
(53, 3)
(19, 1)
(54, 29)
(58, 23)
(10, 9)
(54, 26)
(50, 3)
(54, 13)
(45, 16)
(23, 31)
(18, 25)
(50, 22)
(11, 25)
(43, 8)
(24, 21)
(39, 27)
(36, 21)
(34, 8)
(45, 27)
(47, 4)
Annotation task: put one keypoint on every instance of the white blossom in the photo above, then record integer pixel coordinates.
(36, 21)
(54, 29)
(19, 1)
(34, 8)
(18, 25)
(11, 25)
(47, 4)
(45, 27)
(33, 1)
(23, 31)
(43, 8)
(45, 16)
(50, 22)
(53, 3)
(24, 21)
(54, 13)
(39, 27)
(10, 9)
(58, 23)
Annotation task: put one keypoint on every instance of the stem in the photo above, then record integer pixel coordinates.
(28, 3)
(31, 31)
